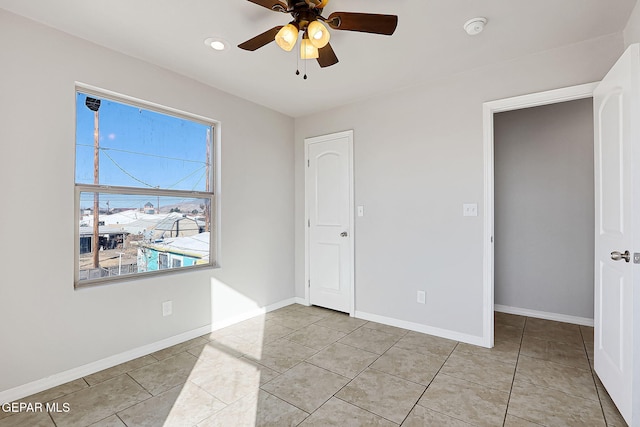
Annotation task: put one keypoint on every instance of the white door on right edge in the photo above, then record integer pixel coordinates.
(616, 103)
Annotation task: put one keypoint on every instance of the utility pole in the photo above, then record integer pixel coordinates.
(94, 105)
(207, 205)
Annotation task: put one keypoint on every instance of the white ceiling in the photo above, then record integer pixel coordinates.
(428, 44)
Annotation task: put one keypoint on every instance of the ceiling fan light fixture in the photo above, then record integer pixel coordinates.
(308, 50)
(318, 34)
(287, 37)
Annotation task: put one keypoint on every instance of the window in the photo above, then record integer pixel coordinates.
(163, 261)
(144, 179)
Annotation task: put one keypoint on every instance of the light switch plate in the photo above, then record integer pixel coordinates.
(360, 210)
(167, 308)
(470, 209)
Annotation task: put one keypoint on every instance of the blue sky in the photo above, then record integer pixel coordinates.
(139, 148)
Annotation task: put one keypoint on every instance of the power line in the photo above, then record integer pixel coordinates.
(192, 173)
(143, 154)
(119, 199)
(127, 173)
(156, 186)
(199, 181)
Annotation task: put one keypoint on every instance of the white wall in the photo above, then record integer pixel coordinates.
(544, 208)
(632, 30)
(47, 327)
(418, 158)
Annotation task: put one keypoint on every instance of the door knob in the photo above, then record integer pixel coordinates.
(343, 234)
(617, 256)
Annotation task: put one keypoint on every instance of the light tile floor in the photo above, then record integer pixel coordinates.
(314, 367)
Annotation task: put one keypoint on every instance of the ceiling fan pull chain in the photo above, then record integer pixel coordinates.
(297, 62)
(305, 70)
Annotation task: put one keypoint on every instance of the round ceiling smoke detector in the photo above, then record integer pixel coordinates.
(475, 26)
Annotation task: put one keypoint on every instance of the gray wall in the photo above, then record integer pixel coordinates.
(47, 327)
(544, 208)
(418, 158)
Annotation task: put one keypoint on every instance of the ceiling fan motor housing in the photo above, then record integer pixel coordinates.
(317, 3)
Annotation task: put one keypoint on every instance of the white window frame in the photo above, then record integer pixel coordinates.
(213, 196)
(163, 265)
(176, 260)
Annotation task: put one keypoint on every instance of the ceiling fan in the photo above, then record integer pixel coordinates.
(308, 20)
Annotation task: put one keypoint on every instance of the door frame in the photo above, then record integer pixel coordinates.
(307, 142)
(488, 110)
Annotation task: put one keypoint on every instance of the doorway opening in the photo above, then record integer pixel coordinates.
(489, 110)
(544, 212)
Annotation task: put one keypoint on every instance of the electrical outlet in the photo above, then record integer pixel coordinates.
(422, 297)
(167, 308)
(470, 209)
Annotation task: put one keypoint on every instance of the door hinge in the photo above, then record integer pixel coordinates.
(308, 163)
(309, 223)
(309, 283)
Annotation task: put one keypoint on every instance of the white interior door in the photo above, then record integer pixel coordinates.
(329, 205)
(617, 191)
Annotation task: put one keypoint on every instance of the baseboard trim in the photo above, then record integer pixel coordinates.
(418, 327)
(97, 366)
(301, 301)
(55, 380)
(584, 321)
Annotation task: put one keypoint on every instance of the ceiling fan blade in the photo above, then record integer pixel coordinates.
(327, 56)
(276, 5)
(363, 22)
(260, 40)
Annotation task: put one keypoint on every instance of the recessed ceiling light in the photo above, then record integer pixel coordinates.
(216, 43)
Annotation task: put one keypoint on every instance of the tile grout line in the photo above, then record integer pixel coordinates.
(306, 360)
(279, 398)
(352, 379)
(363, 328)
(366, 410)
(142, 387)
(593, 377)
(431, 382)
(121, 420)
(564, 365)
(285, 400)
(86, 382)
(363, 349)
(52, 420)
(515, 370)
